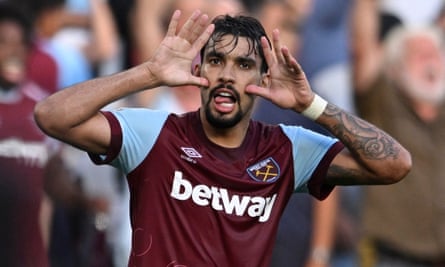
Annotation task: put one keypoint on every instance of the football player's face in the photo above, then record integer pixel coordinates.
(229, 68)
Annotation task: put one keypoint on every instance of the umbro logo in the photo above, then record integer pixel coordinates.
(191, 152)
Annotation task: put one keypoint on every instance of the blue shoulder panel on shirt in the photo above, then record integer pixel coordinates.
(308, 149)
(140, 130)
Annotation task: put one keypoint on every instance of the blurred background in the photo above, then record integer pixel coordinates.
(382, 60)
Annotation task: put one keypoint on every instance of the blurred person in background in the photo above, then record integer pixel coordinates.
(90, 27)
(79, 37)
(24, 150)
(48, 19)
(411, 12)
(89, 31)
(400, 86)
(30, 163)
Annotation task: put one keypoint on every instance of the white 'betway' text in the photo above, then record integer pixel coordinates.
(220, 200)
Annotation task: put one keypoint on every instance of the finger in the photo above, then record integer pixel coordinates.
(203, 38)
(198, 28)
(258, 90)
(173, 23)
(198, 81)
(277, 46)
(291, 62)
(187, 30)
(267, 51)
(294, 63)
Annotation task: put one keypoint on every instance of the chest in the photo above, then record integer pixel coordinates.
(249, 183)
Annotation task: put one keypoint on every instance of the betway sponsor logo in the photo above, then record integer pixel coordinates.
(219, 199)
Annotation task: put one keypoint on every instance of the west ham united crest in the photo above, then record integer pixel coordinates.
(266, 171)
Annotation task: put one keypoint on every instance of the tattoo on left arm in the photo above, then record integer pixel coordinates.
(362, 137)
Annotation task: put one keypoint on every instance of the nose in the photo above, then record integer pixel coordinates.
(227, 74)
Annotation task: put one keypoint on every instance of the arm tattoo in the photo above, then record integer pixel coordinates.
(342, 174)
(360, 136)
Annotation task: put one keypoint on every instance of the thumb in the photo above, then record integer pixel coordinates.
(199, 81)
(258, 90)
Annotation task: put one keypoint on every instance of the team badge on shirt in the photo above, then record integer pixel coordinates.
(266, 171)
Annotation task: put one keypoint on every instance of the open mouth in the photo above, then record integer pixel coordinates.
(225, 100)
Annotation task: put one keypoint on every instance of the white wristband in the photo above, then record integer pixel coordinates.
(320, 255)
(316, 108)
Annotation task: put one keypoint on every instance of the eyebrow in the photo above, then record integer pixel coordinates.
(244, 59)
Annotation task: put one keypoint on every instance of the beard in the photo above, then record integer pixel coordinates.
(422, 91)
(220, 122)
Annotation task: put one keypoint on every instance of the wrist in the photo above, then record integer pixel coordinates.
(320, 255)
(316, 108)
(151, 79)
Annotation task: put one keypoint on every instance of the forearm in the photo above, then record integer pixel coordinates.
(75, 105)
(377, 157)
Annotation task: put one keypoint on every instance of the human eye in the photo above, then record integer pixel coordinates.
(247, 64)
(244, 65)
(214, 61)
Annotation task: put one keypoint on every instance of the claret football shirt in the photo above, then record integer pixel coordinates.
(194, 203)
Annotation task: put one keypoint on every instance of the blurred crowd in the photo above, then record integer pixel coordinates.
(380, 59)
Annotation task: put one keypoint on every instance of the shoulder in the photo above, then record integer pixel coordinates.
(272, 131)
(265, 130)
(138, 114)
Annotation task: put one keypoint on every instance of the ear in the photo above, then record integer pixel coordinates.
(196, 70)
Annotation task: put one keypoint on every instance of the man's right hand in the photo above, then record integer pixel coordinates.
(171, 64)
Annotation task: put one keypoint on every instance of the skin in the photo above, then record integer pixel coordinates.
(72, 115)
(12, 54)
(228, 69)
(421, 72)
